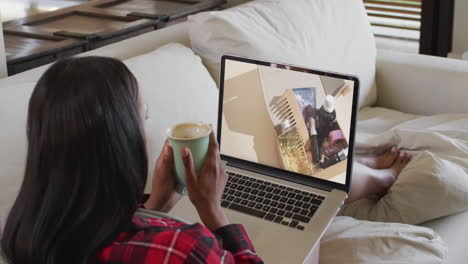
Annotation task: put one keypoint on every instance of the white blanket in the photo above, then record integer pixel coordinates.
(441, 134)
(434, 183)
(354, 241)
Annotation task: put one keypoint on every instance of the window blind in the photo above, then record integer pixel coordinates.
(399, 19)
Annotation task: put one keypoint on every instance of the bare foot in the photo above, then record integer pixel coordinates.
(399, 164)
(381, 161)
(387, 177)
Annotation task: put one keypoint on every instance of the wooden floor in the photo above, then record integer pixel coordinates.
(13, 9)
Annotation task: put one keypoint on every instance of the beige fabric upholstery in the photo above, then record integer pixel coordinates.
(348, 240)
(453, 231)
(420, 84)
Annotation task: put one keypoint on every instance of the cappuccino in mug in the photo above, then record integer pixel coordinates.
(190, 131)
(194, 136)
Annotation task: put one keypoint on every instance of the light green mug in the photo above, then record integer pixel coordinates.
(194, 136)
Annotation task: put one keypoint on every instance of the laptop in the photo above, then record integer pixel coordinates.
(286, 136)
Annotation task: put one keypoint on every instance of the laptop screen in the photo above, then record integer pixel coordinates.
(287, 117)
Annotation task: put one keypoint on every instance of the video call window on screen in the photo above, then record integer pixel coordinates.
(287, 118)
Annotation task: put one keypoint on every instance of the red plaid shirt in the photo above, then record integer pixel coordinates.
(160, 240)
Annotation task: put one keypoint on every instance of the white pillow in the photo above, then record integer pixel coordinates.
(348, 240)
(330, 35)
(177, 88)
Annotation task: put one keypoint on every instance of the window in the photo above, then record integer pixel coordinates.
(426, 25)
(395, 19)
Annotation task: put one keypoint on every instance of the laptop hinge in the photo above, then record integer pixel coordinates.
(279, 175)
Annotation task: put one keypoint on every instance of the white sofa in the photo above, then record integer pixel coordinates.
(3, 66)
(407, 83)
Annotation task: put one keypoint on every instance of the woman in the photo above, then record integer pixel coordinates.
(85, 175)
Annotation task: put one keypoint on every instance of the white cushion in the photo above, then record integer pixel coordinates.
(435, 183)
(330, 35)
(173, 82)
(177, 88)
(348, 240)
(453, 231)
(14, 101)
(421, 84)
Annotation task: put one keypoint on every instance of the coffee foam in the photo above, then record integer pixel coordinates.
(190, 131)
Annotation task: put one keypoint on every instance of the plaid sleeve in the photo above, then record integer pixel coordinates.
(205, 248)
(162, 240)
(234, 239)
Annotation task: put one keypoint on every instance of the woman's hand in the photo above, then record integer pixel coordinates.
(163, 196)
(206, 187)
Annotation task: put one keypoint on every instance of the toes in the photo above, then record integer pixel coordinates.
(409, 156)
(401, 157)
(405, 158)
(391, 155)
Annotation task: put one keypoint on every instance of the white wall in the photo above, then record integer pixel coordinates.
(3, 67)
(460, 28)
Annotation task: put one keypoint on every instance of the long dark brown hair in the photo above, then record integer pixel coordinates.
(86, 166)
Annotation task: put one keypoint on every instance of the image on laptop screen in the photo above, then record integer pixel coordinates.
(288, 118)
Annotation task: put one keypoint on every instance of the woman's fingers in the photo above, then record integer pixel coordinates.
(166, 157)
(210, 160)
(213, 145)
(190, 173)
(214, 154)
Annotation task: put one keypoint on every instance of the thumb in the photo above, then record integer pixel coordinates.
(190, 173)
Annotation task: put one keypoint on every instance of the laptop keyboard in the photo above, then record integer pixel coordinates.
(269, 201)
